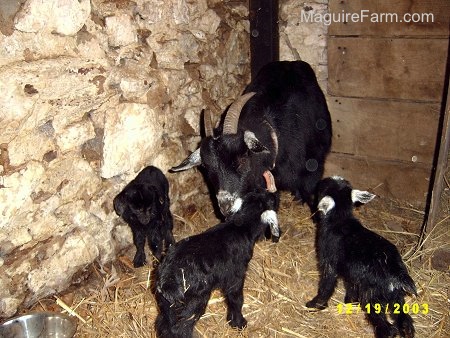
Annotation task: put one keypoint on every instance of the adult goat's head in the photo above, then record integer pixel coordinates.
(235, 161)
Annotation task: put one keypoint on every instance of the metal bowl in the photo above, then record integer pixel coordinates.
(39, 325)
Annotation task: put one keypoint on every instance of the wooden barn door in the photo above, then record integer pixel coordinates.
(385, 91)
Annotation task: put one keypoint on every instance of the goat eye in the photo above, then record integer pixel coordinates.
(240, 164)
(161, 200)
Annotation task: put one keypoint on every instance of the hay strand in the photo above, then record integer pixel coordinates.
(69, 309)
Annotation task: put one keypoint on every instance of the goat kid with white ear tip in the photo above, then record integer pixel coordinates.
(370, 266)
(214, 259)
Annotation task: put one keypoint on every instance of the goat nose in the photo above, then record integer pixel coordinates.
(225, 201)
(225, 208)
(228, 203)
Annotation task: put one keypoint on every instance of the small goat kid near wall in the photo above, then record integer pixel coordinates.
(372, 269)
(277, 134)
(145, 205)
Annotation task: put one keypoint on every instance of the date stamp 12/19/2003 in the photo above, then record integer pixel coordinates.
(354, 308)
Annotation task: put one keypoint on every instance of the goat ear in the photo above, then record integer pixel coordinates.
(191, 161)
(119, 205)
(134, 195)
(270, 217)
(326, 204)
(253, 143)
(362, 196)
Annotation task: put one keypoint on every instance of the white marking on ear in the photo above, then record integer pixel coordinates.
(195, 157)
(191, 161)
(337, 178)
(249, 137)
(326, 204)
(253, 143)
(270, 217)
(362, 196)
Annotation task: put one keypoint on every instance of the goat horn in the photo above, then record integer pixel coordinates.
(207, 123)
(232, 118)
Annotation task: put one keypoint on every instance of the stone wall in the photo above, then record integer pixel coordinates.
(92, 92)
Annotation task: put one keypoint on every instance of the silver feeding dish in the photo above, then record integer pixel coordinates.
(39, 325)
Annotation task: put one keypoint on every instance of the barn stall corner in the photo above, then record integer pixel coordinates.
(94, 91)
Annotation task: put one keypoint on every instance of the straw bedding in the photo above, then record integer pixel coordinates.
(116, 300)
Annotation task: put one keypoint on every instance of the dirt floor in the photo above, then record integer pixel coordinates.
(282, 277)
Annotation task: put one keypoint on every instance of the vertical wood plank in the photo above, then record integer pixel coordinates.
(437, 176)
(264, 38)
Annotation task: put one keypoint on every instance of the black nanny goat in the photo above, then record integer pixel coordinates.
(215, 259)
(370, 266)
(144, 204)
(284, 129)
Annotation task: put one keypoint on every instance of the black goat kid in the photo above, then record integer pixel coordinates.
(371, 266)
(144, 204)
(215, 259)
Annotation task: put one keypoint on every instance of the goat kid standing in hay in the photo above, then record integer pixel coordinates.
(215, 259)
(277, 133)
(145, 205)
(372, 269)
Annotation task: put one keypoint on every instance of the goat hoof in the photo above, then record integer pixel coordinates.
(386, 332)
(238, 323)
(406, 330)
(316, 305)
(348, 299)
(138, 262)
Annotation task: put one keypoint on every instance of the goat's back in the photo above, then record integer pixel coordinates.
(365, 258)
(289, 95)
(290, 99)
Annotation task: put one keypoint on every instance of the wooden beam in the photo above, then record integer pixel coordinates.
(264, 38)
(437, 176)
